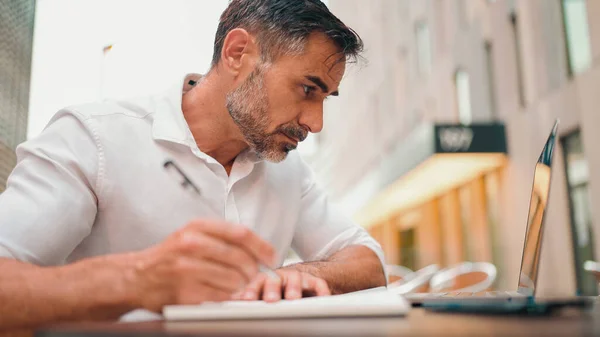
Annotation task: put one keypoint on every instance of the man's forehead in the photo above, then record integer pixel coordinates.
(320, 58)
(336, 71)
(323, 71)
(320, 52)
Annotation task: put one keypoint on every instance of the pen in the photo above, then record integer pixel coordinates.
(187, 183)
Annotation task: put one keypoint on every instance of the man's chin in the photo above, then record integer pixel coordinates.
(274, 158)
(279, 155)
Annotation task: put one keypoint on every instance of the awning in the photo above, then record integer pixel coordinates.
(434, 158)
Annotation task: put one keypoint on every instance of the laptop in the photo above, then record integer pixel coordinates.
(524, 296)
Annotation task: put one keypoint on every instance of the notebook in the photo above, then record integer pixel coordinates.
(373, 302)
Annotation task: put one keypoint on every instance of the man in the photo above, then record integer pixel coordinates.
(96, 221)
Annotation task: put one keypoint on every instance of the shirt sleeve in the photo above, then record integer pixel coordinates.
(49, 204)
(322, 230)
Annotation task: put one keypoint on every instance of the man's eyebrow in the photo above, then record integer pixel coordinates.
(321, 84)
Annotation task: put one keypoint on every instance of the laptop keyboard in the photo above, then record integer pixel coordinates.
(487, 294)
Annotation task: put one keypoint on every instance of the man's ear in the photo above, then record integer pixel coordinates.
(240, 52)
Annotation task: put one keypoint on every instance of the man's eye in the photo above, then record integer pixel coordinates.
(308, 89)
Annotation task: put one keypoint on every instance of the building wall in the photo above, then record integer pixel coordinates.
(16, 40)
(383, 101)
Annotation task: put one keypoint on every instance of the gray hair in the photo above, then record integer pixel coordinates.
(282, 27)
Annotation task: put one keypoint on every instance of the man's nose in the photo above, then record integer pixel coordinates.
(312, 118)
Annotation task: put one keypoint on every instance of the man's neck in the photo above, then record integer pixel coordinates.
(213, 129)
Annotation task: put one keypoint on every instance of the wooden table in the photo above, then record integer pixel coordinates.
(418, 323)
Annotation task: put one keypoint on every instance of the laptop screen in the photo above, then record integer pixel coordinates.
(535, 220)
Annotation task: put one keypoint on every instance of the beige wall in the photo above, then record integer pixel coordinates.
(383, 101)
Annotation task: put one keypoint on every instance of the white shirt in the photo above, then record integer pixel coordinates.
(93, 183)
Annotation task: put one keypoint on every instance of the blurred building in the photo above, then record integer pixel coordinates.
(16, 40)
(432, 146)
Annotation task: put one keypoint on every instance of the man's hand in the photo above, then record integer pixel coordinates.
(205, 261)
(292, 285)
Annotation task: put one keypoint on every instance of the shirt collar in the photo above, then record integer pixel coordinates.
(251, 156)
(170, 125)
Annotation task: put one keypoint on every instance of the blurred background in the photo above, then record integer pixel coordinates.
(432, 144)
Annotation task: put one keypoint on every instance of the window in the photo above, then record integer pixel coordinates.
(489, 63)
(408, 253)
(492, 196)
(423, 48)
(577, 35)
(581, 219)
(517, 47)
(465, 203)
(463, 96)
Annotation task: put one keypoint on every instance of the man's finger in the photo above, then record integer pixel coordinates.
(201, 292)
(213, 274)
(272, 289)
(205, 246)
(240, 236)
(319, 286)
(254, 290)
(237, 295)
(293, 285)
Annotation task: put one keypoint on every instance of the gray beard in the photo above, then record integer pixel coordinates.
(248, 106)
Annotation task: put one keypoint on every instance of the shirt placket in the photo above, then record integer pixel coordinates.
(241, 169)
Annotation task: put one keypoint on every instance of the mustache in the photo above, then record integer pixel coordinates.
(296, 132)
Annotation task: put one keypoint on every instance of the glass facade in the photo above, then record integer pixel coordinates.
(407, 250)
(423, 40)
(453, 227)
(16, 41)
(489, 64)
(466, 204)
(463, 96)
(581, 216)
(577, 35)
